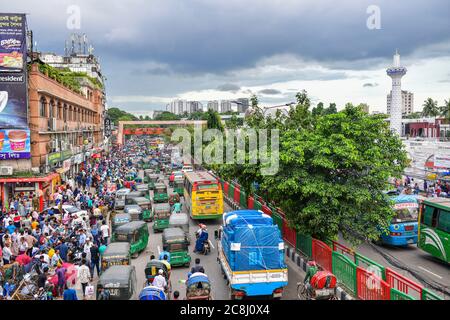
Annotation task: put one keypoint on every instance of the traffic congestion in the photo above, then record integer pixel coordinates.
(139, 224)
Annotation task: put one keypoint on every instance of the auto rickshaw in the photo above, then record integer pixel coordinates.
(116, 254)
(134, 232)
(142, 187)
(153, 177)
(177, 244)
(198, 287)
(120, 282)
(178, 185)
(135, 211)
(180, 220)
(146, 206)
(161, 214)
(160, 193)
(151, 270)
(120, 219)
(119, 202)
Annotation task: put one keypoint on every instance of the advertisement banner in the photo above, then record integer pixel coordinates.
(14, 144)
(13, 84)
(441, 161)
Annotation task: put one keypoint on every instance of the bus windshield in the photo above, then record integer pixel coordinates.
(405, 215)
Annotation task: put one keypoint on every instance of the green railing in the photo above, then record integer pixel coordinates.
(231, 191)
(367, 263)
(429, 295)
(257, 205)
(243, 200)
(304, 244)
(345, 270)
(398, 295)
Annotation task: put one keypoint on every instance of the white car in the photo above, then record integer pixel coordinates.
(187, 168)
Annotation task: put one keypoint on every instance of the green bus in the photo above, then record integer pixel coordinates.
(434, 228)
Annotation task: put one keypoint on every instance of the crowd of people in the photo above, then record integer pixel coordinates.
(435, 188)
(73, 228)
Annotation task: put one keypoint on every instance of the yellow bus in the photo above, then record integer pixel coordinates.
(203, 195)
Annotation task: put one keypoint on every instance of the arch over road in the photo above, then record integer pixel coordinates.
(157, 122)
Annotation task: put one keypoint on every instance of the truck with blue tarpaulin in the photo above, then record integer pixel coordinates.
(251, 255)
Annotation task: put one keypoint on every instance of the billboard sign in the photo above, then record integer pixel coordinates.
(13, 73)
(13, 48)
(441, 161)
(14, 144)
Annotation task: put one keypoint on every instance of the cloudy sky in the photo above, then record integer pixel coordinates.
(153, 51)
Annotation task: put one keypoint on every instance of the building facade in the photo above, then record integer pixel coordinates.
(407, 102)
(180, 107)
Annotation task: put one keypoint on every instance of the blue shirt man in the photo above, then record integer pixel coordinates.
(11, 228)
(164, 253)
(70, 294)
(63, 251)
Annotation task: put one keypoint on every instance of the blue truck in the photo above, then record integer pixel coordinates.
(251, 255)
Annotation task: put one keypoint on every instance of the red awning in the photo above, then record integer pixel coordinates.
(31, 179)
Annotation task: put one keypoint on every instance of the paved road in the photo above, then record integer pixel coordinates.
(209, 262)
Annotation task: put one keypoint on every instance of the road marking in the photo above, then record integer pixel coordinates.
(434, 274)
(159, 250)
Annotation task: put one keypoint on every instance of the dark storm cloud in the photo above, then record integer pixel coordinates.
(270, 91)
(370, 85)
(228, 87)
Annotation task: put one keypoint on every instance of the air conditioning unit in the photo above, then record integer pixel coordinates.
(6, 171)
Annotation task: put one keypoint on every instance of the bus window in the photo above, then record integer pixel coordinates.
(405, 215)
(428, 215)
(444, 221)
(434, 219)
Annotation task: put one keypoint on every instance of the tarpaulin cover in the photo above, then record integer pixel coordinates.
(197, 278)
(251, 242)
(152, 293)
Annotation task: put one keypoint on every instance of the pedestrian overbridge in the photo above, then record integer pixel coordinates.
(149, 131)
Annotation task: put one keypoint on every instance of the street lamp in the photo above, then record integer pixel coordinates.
(285, 112)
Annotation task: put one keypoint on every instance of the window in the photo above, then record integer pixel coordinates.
(444, 221)
(429, 215)
(50, 109)
(42, 105)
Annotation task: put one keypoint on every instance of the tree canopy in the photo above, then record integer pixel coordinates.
(333, 169)
(116, 115)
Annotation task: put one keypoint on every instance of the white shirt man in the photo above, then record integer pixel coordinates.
(105, 230)
(160, 281)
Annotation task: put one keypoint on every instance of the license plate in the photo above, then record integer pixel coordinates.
(277, 295)
(208, 207)
(410, 241)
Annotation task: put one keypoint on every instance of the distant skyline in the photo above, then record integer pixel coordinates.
(155, 51)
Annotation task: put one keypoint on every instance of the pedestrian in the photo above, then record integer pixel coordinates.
(95, 260)
(83, 276)
(104, 229)
(69, 293)
(104, 293)
(61, 273)
(176, 295)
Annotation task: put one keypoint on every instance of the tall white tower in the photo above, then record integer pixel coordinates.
(396, 72)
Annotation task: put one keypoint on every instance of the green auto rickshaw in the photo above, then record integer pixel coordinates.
(116, 254)
(160, 193)
(178, 185)
(161, 214)
(135, 211)
(177, 243)
(153, 178)
(135, 233)
(180, 220)
(146, 207)
(142, 187)
(120, 219)
(120, 281)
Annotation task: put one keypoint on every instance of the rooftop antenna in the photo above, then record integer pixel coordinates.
(80, 39)
(66, 49)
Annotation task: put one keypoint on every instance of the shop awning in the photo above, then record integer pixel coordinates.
(31, 179)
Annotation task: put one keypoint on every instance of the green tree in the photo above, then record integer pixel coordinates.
(331, 109)
(115, 114)
(213, 120)
(430, 108)
(445, 109)
(332, 173)
(318, 110)
(167, 116)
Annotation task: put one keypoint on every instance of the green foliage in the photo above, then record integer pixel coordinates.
(430, 108)
(167, 116)
(445, 109)
(414, 115)
(213, 120)
(333, 170)
(116, 115)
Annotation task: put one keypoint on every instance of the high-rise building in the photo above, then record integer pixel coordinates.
(213, 105)
(396, 72)
(407, 102)
(243, 104)
(179, 107)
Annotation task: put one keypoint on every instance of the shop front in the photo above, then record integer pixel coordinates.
(25, 188)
